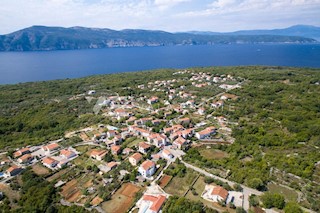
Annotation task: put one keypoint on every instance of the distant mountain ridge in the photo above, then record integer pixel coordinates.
(306, 31)
(60, 38)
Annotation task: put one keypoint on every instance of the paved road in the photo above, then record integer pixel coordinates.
(246, 190)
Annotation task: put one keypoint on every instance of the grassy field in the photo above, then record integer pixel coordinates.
(178, 186)
(40, 170)
(213, 153)
(287, 193)
(135, 142)
(122, 199)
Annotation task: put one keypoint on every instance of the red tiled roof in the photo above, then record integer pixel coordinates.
(147, 164)
(111, 164)
(115, 148)
(12, 168)
(66, 152)
(25, 157)
(136, 156)
(144, 145)
(48, 160)
(51, 146)
(157, 202)
(218, 190)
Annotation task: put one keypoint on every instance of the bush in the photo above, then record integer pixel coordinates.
(271, 200)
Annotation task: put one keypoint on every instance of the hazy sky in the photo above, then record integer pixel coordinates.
(169, 15)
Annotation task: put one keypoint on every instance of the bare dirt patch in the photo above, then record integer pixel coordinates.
(122, 199)
(70, 191)
(165, 180)
(40, 170)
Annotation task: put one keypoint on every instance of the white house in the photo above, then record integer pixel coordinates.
(151, 203)
(135, 159)
(206, 132)
(217, 193)
(147, 168)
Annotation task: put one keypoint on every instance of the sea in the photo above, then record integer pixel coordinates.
(18, 67)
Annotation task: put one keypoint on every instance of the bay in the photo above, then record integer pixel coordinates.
(16, 67)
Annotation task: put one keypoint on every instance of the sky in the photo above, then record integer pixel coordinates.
(168, 15)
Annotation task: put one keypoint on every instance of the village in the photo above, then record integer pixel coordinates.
(136, 162)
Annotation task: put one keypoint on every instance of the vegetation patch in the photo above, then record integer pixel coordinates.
(122, 200)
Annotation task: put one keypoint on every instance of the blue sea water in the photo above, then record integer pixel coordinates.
(18, 67)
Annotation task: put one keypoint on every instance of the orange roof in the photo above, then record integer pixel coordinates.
(48, 160)
(20, 152)
(157, 202)
(218, 190)
(25, 157)
(115, 148)
(112, 164)
(66, 152)
(52, 146)
(96, 152)
(12, 168)
(144, 145)
(167, 152)
(180, 140)
(147, 164)
(136, 156)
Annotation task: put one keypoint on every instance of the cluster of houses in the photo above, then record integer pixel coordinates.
(50, 155)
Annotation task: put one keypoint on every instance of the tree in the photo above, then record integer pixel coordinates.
(292, 207)
(253, 200)
(256, 183)
(273, 200)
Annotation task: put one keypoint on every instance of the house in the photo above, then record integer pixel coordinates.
(217, 104)
(172, 129)
(49, 162)
(25, 158)
(206, 132)
(190, 103)
(158, 140)
(180, 142)
(121, 112)
(218, 194)
(12, 171)
(127, 151)
(67, 153)
(98, 154)
(111, 133)
(142, 121)
(201, 111)
(184, 121)
(135, 159)
(153, 100)
(167, 154)
(187, 133)
(21, 152)
(115, 149)
(143, 147)
(50, 147)
(151, 203)
(228, 96)
(111, 165)
(130, 120)
(147, 168)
